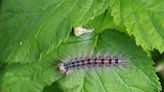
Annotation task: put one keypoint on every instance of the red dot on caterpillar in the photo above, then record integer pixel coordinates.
(102, 60)
(110, 60)
(83, 61)
(95, 61)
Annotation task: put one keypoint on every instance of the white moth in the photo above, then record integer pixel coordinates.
(80, 30)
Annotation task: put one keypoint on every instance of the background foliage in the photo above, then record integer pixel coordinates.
(35, 35)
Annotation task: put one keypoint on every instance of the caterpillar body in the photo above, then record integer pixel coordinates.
(91, 61)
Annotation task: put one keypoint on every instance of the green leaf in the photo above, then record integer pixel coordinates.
(36, 35)
(53, 87)
(143, 19)
(31, 29)
(104, 21)
(30, 33)
(138, 77)
(31, 77)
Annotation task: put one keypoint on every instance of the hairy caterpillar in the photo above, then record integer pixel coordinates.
(91, 61)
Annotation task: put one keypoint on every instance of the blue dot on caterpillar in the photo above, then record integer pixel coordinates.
(92, 61)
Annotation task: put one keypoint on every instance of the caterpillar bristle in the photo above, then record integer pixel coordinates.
(92, 62)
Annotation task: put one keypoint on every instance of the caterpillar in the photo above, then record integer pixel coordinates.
(91, 61)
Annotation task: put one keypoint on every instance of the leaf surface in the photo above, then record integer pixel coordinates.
(143, 19)
(31, 32)
(31, 29)
(138, 77)
(36, 35)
